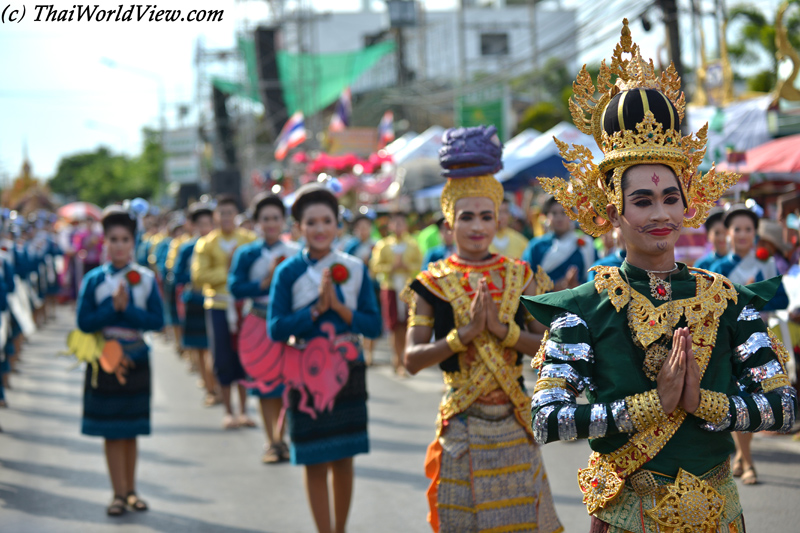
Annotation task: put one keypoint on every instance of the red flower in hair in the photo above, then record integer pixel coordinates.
(339, 273)
(762, 254)
(133, 277)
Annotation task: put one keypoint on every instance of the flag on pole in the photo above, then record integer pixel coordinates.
(292, 135)
(342, 113)
(386, 129)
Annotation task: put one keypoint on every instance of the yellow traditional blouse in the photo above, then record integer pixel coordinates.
(383, 257)
(212, 260)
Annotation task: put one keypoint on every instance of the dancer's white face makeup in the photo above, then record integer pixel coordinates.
(474, 227)
(653, 210)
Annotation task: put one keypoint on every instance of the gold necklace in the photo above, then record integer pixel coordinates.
(656, 352)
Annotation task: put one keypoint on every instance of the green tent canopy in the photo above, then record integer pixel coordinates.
(314, 81)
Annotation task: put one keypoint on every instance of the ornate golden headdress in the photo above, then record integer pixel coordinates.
(634, 121)
(470, 157)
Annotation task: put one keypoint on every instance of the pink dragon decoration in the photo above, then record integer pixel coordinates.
(318, 372)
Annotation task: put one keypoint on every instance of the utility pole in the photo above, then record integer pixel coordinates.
(670, 10)
(534, 48)
(462, 63)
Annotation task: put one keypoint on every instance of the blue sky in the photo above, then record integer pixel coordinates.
(56, 95)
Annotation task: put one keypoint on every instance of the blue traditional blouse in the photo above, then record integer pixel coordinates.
(707, 260)
(747, 269)
(557, 254)
(182, 272)
(614, 259)
(95, 304)
(251, 264)
(295, 289)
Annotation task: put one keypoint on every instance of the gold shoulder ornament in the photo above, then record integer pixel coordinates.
(588, 192)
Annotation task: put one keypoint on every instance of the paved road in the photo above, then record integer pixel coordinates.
(199, 478)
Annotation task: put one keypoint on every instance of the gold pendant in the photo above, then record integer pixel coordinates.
(691, 505)
(655, 355)
(659, 289)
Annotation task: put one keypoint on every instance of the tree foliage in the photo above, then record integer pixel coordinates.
(756, 37)
(102, 177)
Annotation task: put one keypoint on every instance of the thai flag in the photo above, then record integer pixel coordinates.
(292, 135)
(344, 110)
(386, 129)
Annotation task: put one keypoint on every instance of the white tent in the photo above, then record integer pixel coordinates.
(424, 146)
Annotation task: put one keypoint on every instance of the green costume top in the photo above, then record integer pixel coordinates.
(592, 348)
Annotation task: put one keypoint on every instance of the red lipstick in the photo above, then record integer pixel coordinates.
(660, 232)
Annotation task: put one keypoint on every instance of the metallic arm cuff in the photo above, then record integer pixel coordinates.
(645, 409)
(512, 337)
(454, 342)
(788, 407)
(420, 320)
(598, 421)
(540, 424)
(567, 430)
(714, 407)
(622, 418)
(764, 411)
(742, 414)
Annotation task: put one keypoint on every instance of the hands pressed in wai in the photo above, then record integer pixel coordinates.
(483, 315)
(679, 378)
(328, 299)
(120, 298)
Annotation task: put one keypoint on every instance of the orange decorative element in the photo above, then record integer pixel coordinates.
(339, 273)
(113, 360)
(133, 277)
(433, 468)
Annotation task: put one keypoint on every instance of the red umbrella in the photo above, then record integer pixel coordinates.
(80, 211)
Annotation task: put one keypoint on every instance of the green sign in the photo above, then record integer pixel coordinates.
(484, 106)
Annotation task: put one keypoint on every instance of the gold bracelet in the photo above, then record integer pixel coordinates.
(550, 383)
(512, 337)
(454, 342)
(420, 320)
(645, 409)
(714, 406)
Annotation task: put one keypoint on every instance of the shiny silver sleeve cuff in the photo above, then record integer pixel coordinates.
(765, 371)
(567, 430)
(765, 411)
(551, 396)
(722, 426)
(742, 414)
(567, 320)
(564, 371)
(622, 418)
(788, 407)
(748, 314)
(569, 352)
(755, 342)
(598, 421)
(540, 424)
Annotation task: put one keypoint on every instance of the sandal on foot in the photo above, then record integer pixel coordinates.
(228, 422)
(245, 421)
(211, 400)
(135, 503)
(737, 468)
(272, 455)
(117, 507)
(749, 477)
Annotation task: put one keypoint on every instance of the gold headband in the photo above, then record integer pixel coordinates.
(485, 186)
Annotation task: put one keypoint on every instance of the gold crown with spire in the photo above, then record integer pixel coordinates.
(654, 107)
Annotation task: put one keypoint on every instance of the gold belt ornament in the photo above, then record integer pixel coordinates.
(690, 506)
